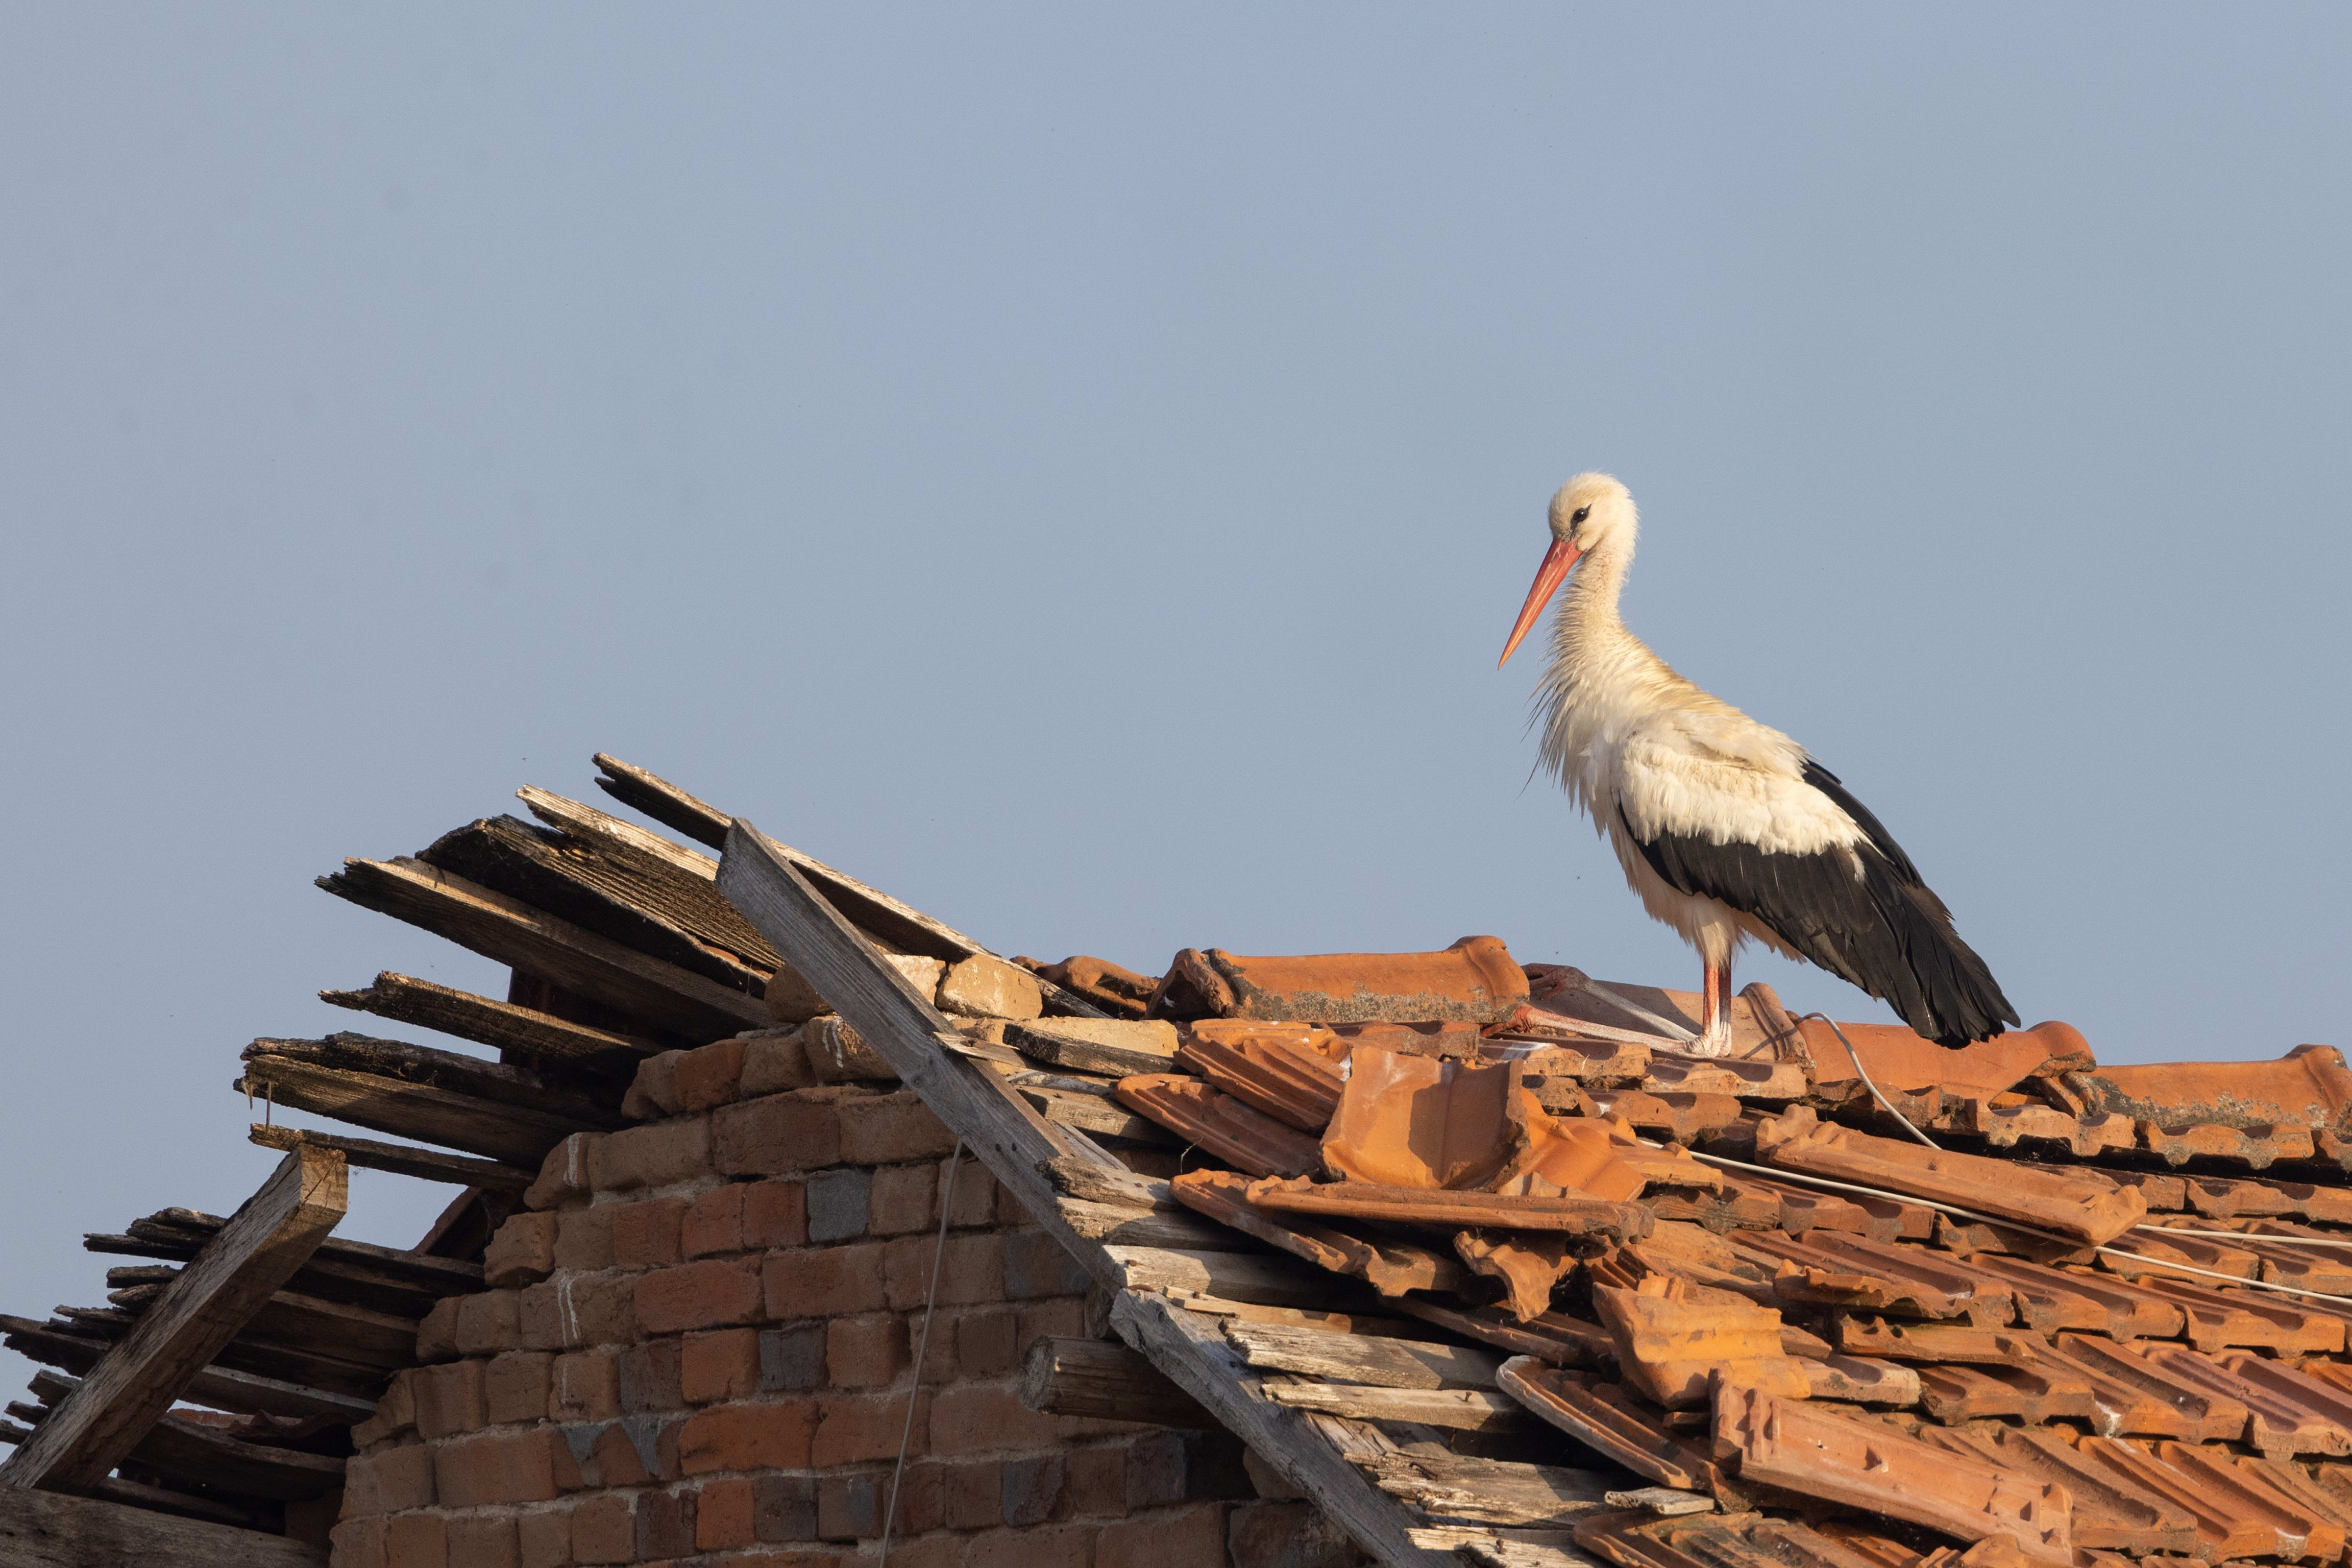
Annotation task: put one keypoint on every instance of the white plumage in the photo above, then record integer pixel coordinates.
(1726, 828)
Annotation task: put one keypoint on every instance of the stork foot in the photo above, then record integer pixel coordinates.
(1711, 1043)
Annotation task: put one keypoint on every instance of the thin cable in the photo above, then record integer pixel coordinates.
(2246, 1236)
(1867, 1081)
(2071, 1242)
(922, 1350)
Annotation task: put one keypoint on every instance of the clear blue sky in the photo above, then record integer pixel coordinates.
(1075, 467)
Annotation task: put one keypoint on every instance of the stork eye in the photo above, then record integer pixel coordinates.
(1579, 514)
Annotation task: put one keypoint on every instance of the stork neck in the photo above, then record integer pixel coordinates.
(1591, 606)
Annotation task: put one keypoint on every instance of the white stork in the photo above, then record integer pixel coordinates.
(1725, 827)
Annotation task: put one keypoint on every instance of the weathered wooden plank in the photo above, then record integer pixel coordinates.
(500, 1083)
(1105, 1184)
(1095, 1113)
(1116, 1224)
(1360, 1358)
(1457, 1409)
(1106, 1380)
(645, 905)
(256, 1252)
(1007, 1134)
(663, 995)
(1492, 1491)
(178, 1450)
(664, 802)
(46, 1529)
(426, 1164)
(293, 1321)
(215, 1387)
(335, 1258)
(1191, 1351)
(511, 1135)
(1237, 1277)
(537, 1037)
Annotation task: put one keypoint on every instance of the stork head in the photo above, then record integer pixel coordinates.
(1592, 511)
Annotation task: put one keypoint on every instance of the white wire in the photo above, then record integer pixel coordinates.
(1867, 1081)
(922, 1350)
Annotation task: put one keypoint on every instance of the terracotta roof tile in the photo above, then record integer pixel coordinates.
(1473, 980)
(2108, 1511)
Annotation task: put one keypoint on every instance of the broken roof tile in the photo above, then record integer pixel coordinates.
(1962, 1343)
(2095, 1211)
(1527, 1266)
(1860, 1380)
(1390, 1266)
(1601, 1417)
(1898, 1060)
(2239, 1320)
(2309, 1087)
(2136, 1397)
(1832, 1268)
(1422, 1122)
(2255, 1147)
(2222, 1531)
(1868, 1465)
(2108, 1511)
(1670, 1337)
(2049, 1299)
(2300, 1531)
(1726, 1075)
(1247, 1139)
(1475, 980)
(1290, 1071)
(2043, 1390)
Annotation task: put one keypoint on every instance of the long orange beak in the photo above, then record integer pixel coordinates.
(1548, 577)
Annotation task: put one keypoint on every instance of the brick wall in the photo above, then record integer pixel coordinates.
(699, 1347)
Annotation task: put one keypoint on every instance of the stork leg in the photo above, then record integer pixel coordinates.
(1715, 1011)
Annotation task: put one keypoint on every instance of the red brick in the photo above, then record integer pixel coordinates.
(1287, 1535)
(774, 1063)
(450, 1399)
(358, 1544)
(721, 1365)
(703, 1295)
(722, 1517)
(388, 1480)
(652, 1092)
(774, 1557)
(656, 1156)
(921, 1499)
(1190, 1537)
(484, 1540)
(580, 1310)
(646, 1234)
(584, 1236)
(416, 1540)
(604, 1528)
(584, 1386)
(1049, 1546)
(773, 1435)
(1064, 1318)
(973, 1494)
(973, 1200)
(783, 1508)
(437, 1331)
(852, 1427)
(649, 1378)
(984, 1344)
(1033, 1489)
(1036, 1265)
(970, 1269)
(487, 1322)
(775, 1214)
(849, 1506)
(494, 1467)
(779, 1132)
(563, 1175)
(884, 1129)
(1095, 1487)
(865, 1352)
(710, 1076)
(825, 1282)
(515, 1386)
(522, 1252)
(978, 1418)
(714, 1223)
(903, 1199)
(665, 1524)
(544, 1536)
(1167, 1467)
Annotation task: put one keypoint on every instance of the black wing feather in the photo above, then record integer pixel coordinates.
(1863, 914)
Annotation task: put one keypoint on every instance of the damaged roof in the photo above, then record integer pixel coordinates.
(1471, 1251)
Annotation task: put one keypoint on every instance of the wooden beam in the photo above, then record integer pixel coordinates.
(216, 1388)
(999, 1127)
(256, 1252)
(560, 1099)
(541, 1038)
(666, 998)
(1104, 1379)
(511, 1135)
(426, 1164)
(44, 1530)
